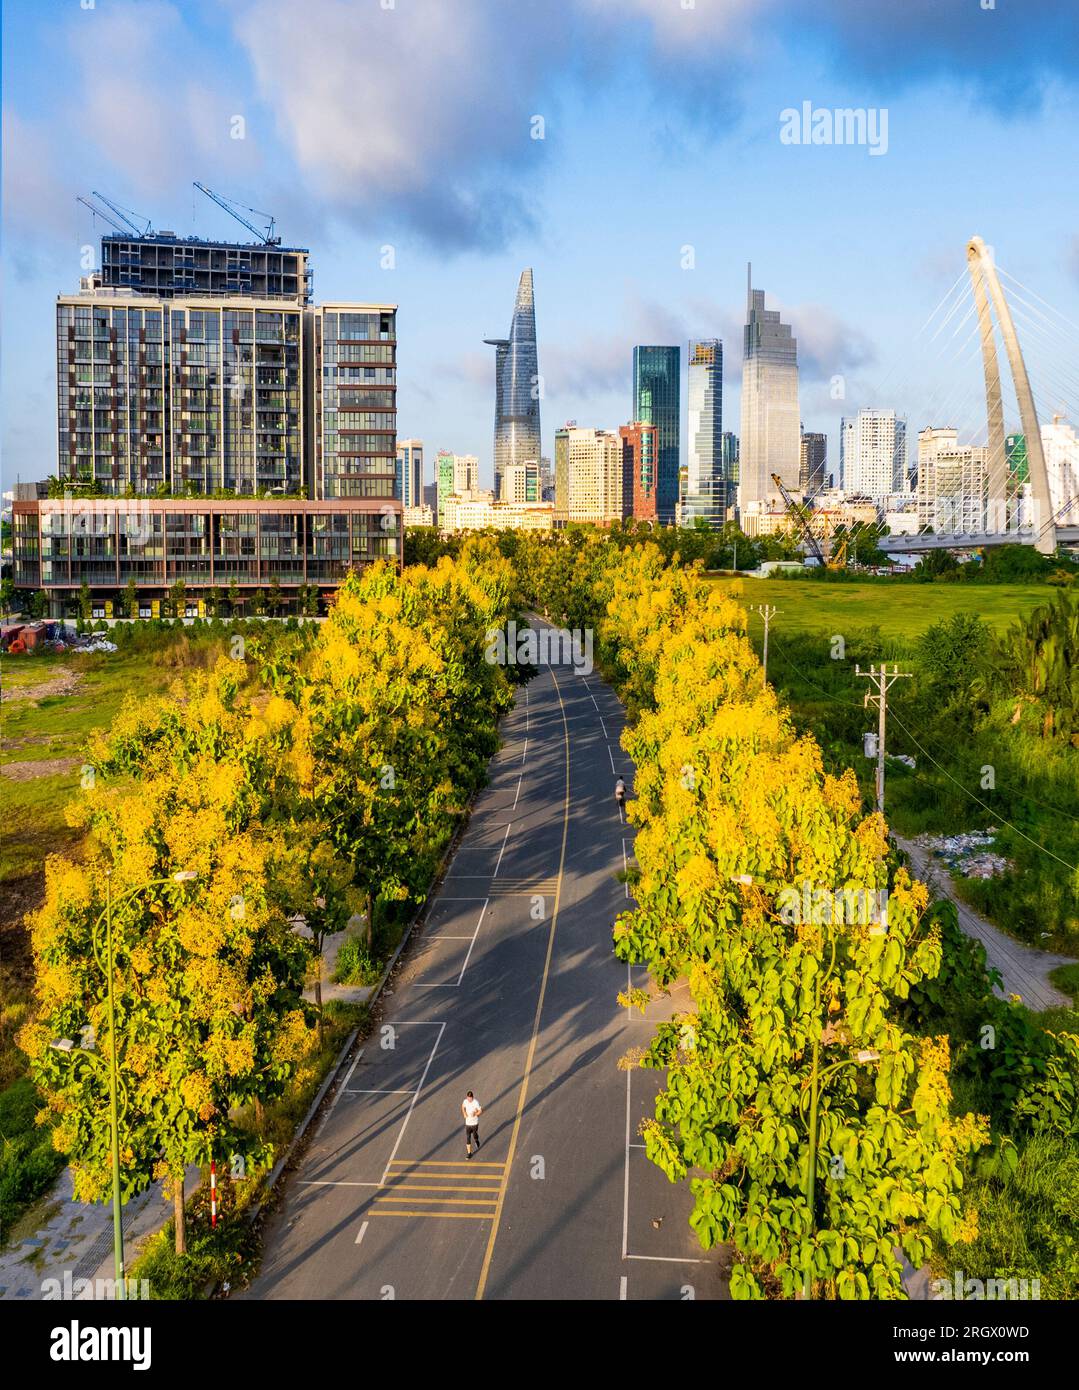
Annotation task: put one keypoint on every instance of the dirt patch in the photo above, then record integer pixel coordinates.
(40, 767)
(64, 683)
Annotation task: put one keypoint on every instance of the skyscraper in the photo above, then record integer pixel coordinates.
(812, 477)
(771, 432)
(409, 485)
(657, 401)
(517, 386)
(706, 488)
(873, 453)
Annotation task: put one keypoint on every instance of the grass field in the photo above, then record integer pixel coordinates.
(901, 610)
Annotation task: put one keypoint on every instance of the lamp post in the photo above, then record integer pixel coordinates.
(89, 1049)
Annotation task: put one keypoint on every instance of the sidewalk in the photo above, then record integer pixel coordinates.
(1024, 970)
(77, 1238)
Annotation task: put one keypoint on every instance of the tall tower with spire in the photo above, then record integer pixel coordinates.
(517, 386)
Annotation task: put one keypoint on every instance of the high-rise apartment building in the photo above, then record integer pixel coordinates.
(873, 453)
(812, 475)
(657, 401)
(770, 440)
(731, 469)
(953, 483)
(640, 448)
(706, 493)
(408, 486)
(588, 475)
(517, 386)
(218, 430)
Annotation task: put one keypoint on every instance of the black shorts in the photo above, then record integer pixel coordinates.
(472, 1133)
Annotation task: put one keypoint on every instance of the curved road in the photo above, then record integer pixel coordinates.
(510, 991)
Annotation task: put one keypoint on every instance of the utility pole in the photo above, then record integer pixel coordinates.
(767, 612)
(881, 681)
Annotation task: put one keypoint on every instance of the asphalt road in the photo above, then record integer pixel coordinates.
(509, 991)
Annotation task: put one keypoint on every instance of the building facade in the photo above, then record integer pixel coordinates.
(454, 474)
(873, 454)
(770, 438)
(1060, 444)
(162, 265)
(517, 386)
(706, 491)
(657, 401)
(522, 482)
(640, 449)
(588, 485)
(479, 511)
(408, 485)
(812, 472)
(242, 404)
(953, 483)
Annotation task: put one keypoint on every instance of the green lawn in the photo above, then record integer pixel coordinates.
(901, 609)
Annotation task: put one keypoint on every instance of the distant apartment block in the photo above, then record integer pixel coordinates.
(953, 483)
(454, 474)
(588, 475)
(873, 453)
(640, 447)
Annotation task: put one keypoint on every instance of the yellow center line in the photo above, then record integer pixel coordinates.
(485, 1270)
(464, 1165)
(440, 1201)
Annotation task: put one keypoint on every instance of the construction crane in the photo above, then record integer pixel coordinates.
(803, 524)
(266, 236)
(121, 213)
(98, 213)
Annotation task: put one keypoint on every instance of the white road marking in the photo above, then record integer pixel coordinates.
(327, 1182)
(502, 851)
(404, 1123)
(518, 792)
(378, 1091)
(419, 984)
(625, 861)
(625, 1182)
(525, 753)
(623, 1284)
(347, 1079)
(669, 1259)
(363, 1232)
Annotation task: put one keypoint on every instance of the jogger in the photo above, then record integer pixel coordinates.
(471, 1109)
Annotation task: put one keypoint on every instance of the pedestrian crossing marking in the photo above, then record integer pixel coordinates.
(444, 1215)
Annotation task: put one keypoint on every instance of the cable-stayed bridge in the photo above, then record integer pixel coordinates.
(995, 487)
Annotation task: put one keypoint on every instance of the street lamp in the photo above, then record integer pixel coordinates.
(87, 1047)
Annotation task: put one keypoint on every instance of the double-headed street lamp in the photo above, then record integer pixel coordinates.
(87, 1047)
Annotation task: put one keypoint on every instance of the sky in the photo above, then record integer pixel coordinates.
(629, 151)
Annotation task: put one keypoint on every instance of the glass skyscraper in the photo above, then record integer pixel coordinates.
(706, 492)
(517, 390)
(657, 401)
(770, 439)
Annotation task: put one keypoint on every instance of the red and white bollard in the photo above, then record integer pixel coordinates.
(213, 1193)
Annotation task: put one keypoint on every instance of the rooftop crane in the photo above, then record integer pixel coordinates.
(98, 213)
(266, 236)
(803, 524)
(147, 230)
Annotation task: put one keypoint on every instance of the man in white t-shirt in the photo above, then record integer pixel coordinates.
(471, 1109)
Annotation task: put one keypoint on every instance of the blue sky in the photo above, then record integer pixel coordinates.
(368, 123)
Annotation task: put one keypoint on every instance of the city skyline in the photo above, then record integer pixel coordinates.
(442, 231)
